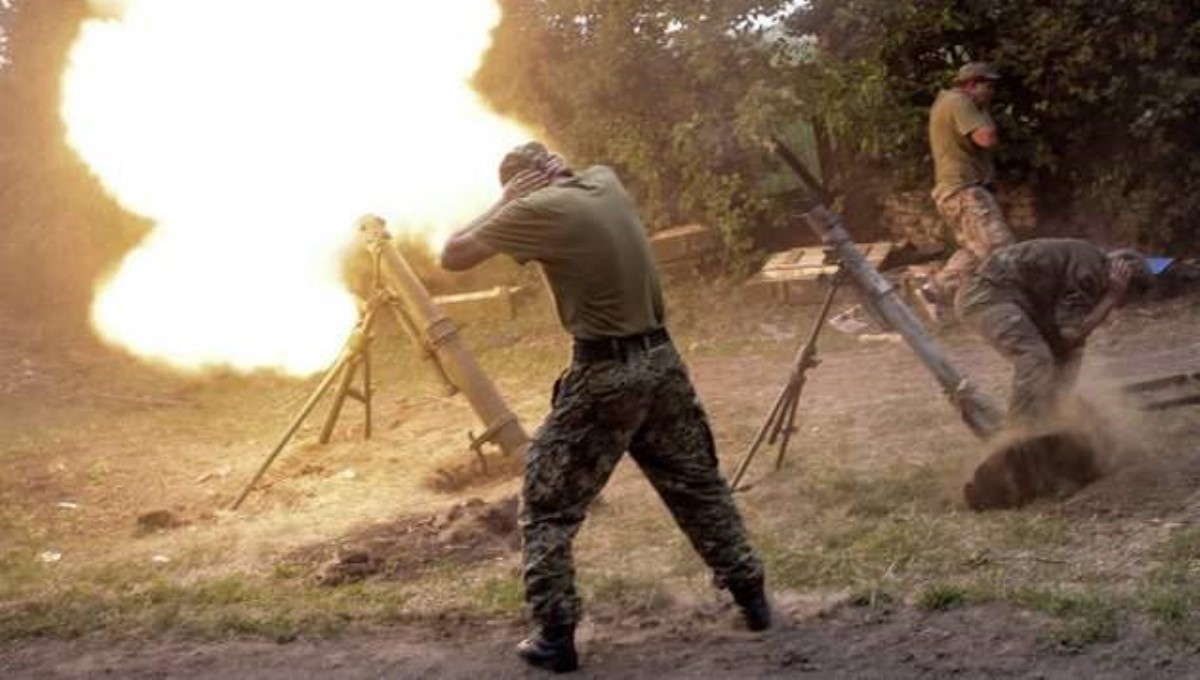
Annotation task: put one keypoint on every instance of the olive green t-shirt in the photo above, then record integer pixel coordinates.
(587, 236)
(957, 161)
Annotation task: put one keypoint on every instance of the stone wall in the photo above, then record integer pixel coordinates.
(910, 217)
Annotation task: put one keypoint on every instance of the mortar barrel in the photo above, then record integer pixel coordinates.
(980, 415)
(442, 338)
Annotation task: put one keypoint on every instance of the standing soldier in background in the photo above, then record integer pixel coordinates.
(626, 389)
(962, 136)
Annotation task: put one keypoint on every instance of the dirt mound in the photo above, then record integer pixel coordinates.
(469, 532)
(1023, 469)
(474, 470)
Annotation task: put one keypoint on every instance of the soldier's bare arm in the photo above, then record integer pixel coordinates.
(1120, 272)
(464, 250)
(985, 137)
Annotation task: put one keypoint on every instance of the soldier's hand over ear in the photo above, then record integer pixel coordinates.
(555, 165)
(1120, 272)
(525, 182)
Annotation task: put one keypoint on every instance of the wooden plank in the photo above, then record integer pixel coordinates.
(796, 276)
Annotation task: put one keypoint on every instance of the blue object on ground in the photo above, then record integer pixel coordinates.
(1159, 265)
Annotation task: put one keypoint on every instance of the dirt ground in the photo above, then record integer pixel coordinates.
(108, 462)
(976, 642)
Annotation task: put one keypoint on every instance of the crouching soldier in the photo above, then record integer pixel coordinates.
(626, 389)
(1036, 303)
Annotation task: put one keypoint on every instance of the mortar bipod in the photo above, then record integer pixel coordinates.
(781, 420)
(355, 354)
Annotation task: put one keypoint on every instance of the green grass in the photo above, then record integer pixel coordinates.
(940, 597)
(499, 595)
(1172, 592)
(1083, 618)
(626, 593)
(216, 608)
(848, 554)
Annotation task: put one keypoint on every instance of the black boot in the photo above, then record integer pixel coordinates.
(552, 648)
(752, 600)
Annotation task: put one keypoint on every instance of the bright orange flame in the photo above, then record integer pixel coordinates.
(254, 133)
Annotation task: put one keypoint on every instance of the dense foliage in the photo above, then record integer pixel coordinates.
(1094, 109)
(653, 88)
(59, 231)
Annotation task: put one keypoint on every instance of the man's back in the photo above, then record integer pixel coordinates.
(1056, 281)
(586, 234)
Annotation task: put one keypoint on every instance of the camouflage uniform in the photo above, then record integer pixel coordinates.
(979, 228)
(963, 174)
(626, 389)
(644, 404)
(1022, 299)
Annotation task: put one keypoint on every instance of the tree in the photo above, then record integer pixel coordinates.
(653, 88)
(60, 230)
(1096, 105)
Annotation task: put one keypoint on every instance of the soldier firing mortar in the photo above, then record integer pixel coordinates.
(1036, 303)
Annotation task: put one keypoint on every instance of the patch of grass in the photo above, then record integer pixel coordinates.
(1172, 593)
(900, 489)
(1171, 608)
(624, 593)
(1180, 557)
(848, 554)
(285, 571)
(499, 595)
(1083, 618)
(19, 570)
(941, 597)
(223, 607)
(871, 597)
(1034, 530)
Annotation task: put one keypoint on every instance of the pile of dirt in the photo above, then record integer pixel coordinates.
(469, 532)
(470, 471)
(1054, 464)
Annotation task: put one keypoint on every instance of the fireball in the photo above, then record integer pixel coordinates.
(253, 133)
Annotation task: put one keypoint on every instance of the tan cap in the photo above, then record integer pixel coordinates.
(976, 70)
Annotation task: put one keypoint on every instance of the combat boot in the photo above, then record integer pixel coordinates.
(551, 648)
(752, 600)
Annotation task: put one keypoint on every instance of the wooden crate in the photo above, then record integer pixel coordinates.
(797, 276)
(687, 244)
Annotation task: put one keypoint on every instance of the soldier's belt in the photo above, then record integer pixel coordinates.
(618, 348)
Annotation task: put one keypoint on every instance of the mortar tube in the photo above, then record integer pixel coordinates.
(441, 337)
(978, 412)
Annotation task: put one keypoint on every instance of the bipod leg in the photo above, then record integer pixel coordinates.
(340, 363)
(787, 429)
(806, 358)
(781, 422)
(768, 427)
(358, 346)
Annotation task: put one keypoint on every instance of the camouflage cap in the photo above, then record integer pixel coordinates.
(528, 156)
(976, 70)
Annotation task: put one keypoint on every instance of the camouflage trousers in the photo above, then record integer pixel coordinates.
(1043, 370)
(979, 228)
(646, 405)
